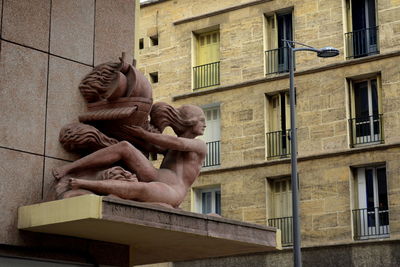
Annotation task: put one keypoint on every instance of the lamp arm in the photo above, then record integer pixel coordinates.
(312, 49)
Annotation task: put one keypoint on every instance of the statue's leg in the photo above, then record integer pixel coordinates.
(124, 151)
(145, 192)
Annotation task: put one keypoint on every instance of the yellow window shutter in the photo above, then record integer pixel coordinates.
(208, 48)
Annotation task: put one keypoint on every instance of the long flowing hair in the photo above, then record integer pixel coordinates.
(97, 84)
(163, 115)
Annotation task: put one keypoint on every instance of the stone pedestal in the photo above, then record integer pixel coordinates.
(154, 233)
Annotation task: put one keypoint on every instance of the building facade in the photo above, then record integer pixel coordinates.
(229, 58)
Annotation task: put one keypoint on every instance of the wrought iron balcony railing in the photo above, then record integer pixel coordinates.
(206, 75)
(277, 60)
(285, 224)
(278, 144)
(213, 157)
(362, 43)
(371, 223)
(364, 130)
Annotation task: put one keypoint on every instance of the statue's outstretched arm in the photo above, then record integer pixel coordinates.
(169, 141)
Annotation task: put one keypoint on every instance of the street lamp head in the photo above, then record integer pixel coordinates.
(328, 51)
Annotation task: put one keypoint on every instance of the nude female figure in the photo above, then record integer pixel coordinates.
(168, 184)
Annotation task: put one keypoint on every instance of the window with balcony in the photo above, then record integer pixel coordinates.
(212, 137)
(278, 27)
(278, 126)
(371, 213)
(362, 36)
(208, 200)
(281, 218)
(206, 70)
(365, 123)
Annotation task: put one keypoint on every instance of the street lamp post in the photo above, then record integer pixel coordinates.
(323, 52)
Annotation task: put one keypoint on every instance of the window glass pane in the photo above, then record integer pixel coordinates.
(206, 202)
(208, 112)
(369, 183)
(208, 39)
(374, 95)
(284, 28)
(361, 100)
(383, 199)
(215, 114)
(358, 15)
(382, 188)
(218, 202)
(371, 13)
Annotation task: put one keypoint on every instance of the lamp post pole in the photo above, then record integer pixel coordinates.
(323, 52)
(295, 182)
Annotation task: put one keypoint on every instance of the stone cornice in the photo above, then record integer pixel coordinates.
(221, 11)
(285, 76)
(349, 151)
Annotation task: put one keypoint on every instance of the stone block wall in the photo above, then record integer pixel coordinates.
(46, 48)
(317, 23)
(372, 254)
(322, 111)
(326, 160)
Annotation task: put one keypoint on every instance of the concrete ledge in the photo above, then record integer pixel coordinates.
(155, 234)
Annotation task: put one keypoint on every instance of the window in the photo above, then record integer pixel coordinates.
(208, 200)
(141, 43)
(212, 137)
(154, 40)
(154, 77)
(281, 194)
(371, 216)
(278, 27)
(278, 125)
(366, 121)
(362, 35)
(206, 71)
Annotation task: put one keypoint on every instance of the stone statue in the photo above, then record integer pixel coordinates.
(119, 137)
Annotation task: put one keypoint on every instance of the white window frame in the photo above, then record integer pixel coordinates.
(366, 231)
(198, 199)
(215, 136)
(273, 123)
(364, 140)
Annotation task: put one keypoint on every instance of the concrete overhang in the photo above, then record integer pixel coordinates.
(154, 233)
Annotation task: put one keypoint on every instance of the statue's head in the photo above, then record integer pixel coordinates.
(196, 115)
(180, 120)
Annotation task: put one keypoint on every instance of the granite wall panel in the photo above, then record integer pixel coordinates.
(115, 30)
(27, 22)
(72, 29)
(23, 81)
(65, 103)
(21, 184)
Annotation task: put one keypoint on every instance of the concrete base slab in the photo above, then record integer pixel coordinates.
(155, 234)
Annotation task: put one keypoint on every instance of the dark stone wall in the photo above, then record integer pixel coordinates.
(374, 254)
(67, 249)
